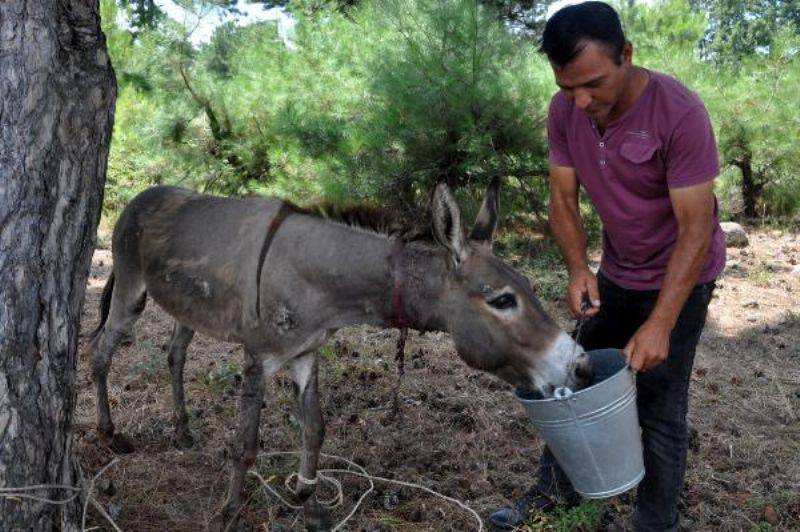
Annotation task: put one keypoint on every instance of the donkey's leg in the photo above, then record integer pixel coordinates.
(181, 336)
(245, 447)
(127, 303)
(304, 376)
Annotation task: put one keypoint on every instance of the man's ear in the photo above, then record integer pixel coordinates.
(446, 220)
(626, 57)
(486, 222)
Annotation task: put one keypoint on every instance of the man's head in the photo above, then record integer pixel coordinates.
(590, 57)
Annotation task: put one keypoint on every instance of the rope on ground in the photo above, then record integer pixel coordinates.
(339, 497)
(87, 488)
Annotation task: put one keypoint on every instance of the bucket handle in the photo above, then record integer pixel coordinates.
(563, 393)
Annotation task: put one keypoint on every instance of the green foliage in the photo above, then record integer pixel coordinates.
(378, 100)
(522, 15)
(143, 14)
(741, 28)
(453, 97)
(758, 124)
(384, 101)
(665, 37)
(586, 517)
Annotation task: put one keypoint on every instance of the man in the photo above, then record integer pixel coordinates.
(642, 146)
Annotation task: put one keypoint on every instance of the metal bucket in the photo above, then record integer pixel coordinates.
(594, 433)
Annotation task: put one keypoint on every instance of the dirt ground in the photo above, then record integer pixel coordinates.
(459, 432)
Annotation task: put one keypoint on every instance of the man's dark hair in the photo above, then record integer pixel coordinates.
(566, 33)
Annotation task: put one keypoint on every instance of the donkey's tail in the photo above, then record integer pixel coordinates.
(105, 304)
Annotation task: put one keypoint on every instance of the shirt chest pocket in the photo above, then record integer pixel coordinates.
(641, 168)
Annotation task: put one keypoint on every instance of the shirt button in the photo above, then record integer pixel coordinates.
(602, 162)
(602, 144)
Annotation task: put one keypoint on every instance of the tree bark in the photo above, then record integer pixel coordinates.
(57, 93)
(750, 188)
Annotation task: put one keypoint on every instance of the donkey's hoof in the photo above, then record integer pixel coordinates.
(318, 523)
(317, 518)
(120, 444)
(127, 340)
(183, 440)
(217, 523)
(227, 520)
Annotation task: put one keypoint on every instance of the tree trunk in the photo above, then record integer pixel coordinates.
(57, 92)
(750, 190)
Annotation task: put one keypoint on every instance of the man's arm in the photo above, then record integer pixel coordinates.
(694, 210)
(567, 227)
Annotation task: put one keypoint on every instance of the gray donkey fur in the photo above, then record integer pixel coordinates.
(199, 257)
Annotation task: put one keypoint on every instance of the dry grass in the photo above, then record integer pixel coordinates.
(461, 433)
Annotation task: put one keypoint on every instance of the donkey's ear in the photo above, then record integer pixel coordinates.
(486, 222)
(446, 220)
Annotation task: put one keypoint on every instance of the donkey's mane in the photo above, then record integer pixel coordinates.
(370, 217)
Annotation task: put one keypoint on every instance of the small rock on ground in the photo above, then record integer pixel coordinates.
(735, 235)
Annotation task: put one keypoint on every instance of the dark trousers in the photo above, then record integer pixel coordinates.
(662, 399)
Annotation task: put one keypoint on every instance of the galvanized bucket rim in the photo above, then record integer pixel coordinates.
(576, 395)
(590, 417)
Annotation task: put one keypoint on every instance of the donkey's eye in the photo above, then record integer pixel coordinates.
(504, 302)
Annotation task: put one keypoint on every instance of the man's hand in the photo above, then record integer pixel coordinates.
(583, 282)
(649, 347)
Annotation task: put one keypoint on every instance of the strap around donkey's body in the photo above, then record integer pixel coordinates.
(274, 224)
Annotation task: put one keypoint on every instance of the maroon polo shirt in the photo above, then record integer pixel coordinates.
(663, 141)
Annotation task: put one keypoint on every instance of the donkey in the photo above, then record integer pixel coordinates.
(281, 280)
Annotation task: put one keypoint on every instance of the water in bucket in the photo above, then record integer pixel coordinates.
(594, 432)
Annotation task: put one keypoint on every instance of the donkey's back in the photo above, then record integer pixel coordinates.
(195, 255)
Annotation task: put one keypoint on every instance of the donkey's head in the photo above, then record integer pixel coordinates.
(491, 310)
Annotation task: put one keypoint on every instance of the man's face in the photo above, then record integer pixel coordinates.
(594, 81)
